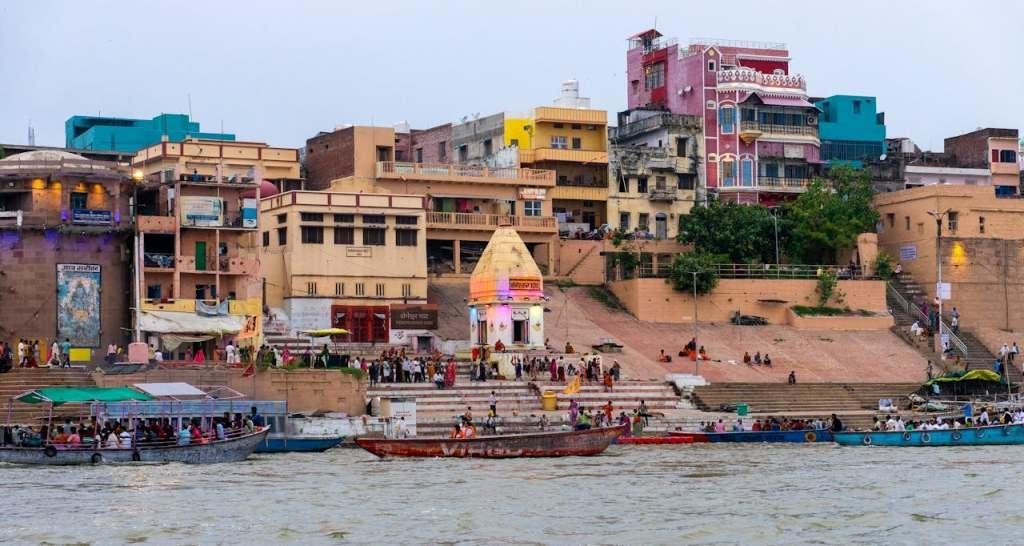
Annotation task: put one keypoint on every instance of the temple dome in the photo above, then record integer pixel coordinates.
(506, 270)
(44, 155)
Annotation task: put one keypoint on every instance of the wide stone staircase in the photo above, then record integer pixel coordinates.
(20, 380)
(903, 296)
(854, 403)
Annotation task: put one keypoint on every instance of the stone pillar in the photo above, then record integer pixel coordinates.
(457, 255)
(867, 251)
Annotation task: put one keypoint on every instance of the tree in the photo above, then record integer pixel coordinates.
(829, 216)
(736, 233)
(680, 273)
(827, 289)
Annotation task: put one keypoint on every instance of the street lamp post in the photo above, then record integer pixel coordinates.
(939, 215)
(696, 360)
(775, 219)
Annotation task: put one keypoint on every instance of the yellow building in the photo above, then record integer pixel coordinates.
(654, 171)
(197, 209)
(343, 260)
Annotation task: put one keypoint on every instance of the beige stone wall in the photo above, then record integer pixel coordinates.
(881, 321)
(654, 300)
(304, 390)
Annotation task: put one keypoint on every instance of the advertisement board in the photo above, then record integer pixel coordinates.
(202, 211)
(89, 217)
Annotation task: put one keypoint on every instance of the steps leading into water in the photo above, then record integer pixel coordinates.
(20, 380)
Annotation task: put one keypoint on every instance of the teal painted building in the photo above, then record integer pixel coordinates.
(131, 135)
(850, 128)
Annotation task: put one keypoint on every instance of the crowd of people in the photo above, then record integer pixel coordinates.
(28, 354)
(584, 418)
(771, 424)
(986, 417)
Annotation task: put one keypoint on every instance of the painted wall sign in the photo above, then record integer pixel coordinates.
(358, 252)
(908, 253)
(78, 304)
(533, 194)
(88, 217)
(414, 317)
(524, 284)
(202, 211)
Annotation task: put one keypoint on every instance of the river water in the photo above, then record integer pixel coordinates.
(704, 494)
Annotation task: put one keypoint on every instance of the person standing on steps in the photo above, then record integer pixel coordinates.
(493, 402)
(792, 377)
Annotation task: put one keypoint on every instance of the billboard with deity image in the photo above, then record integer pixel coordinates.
(78, 304)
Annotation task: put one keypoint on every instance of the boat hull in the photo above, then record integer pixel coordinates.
(286, 444)
(998, 435)
(545, 444)
(654, 440)
(771, 436)
(220, 451)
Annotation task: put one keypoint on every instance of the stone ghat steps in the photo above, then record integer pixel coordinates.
(814, 398)
(20, 380)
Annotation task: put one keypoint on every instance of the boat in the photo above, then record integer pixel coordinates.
(995, 435)
(772, 436)
(294, 433)
(654, 440)
(542, 444)
(236, 446)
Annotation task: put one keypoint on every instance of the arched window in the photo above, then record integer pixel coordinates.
(727, 119)
(747, 172)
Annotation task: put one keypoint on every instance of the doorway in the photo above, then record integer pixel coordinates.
(521, 331)
(661, 226)
(200, 255)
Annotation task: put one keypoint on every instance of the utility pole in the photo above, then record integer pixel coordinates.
(696, 360)
(939, 215)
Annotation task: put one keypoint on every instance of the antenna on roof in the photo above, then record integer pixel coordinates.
(31, 134)
(189, 95)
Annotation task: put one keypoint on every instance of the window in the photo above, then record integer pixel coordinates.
(312, 235)
(380, 290)
(906, 220)
(576, 126)
(399, 155)
(641, 184)
(419, 155)
(373, 236)
(344, 218)
(623, 184)
(282, 236)
(559, 142)
(577, 143)
(266, 238)
(282, 218)
(654, 76)
(78, 200)
(981, 225)
(659, 183)
(686, 181)
(488, 147)
(624, 221)
(951, 220)
(727, 119)
(711, 66)
(748, 114)
(344, 236)
(339, 289)
(1007, 156)
(463, 153)
(563, 180)
(310, 288)
(771, 170)
(920, 228)
(383, 153)
(154, 291)
(532, 208)
(406, 290)
(642, 223)
(891, 218)
(360, 289)
(374, 219)
(514, 142)
(747, 172)
(405, 237)
(635, 85)
(728, 176)
(406, 220)
(311, 217)
(442, 150)
(681, 144)
(856, 107)
(559, 126)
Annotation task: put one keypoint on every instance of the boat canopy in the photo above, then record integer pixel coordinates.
(973, 375)
(172, 390)
(63, 395)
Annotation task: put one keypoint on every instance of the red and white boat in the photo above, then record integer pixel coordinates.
(541, 444)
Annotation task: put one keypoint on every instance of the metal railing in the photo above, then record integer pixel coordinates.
(906, 306)
(396, 168)
(779, 129)
(469, 219)
(651, 123)
(769, 271)
(954, 340)
(771, 183)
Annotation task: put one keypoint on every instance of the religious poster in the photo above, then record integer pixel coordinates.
(78, 304)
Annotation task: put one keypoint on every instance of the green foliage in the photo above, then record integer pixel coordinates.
(738, 233)
(354, 372)
(883, 266)
(3, 152)
(618, 236)
(681, 277)
(826, 311)
(827, 289)
(829, 216)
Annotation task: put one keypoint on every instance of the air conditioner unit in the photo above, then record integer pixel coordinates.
(812, 120)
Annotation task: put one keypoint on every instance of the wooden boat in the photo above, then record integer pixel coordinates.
(654, 440)
(542, 444)
(995, 435)
(773, 436)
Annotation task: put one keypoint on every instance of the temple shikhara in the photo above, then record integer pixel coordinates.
(506, 295)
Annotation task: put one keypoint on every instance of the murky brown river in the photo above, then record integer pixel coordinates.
(710, 494)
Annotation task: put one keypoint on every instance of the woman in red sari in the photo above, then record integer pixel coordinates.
(449, 374)
(553, 369)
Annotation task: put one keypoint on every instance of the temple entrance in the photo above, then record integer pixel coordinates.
(521, 331)
(481, 332)
(365, 324)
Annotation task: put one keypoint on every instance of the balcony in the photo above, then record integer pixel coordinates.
(757, 129)
(746, 77)
(469, 174)
(488, 222)
(156, 224)
(664, 194)
(172, 176)
(225, 265)
(554, 114)
(652, 123)
(576, 156)
(229, 220)
(772, 184)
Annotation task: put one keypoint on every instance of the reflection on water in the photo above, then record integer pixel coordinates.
(714, 494)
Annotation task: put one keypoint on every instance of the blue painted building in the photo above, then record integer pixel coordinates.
(851, 129)
(131, 135)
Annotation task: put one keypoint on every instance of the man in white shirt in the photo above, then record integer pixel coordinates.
(900, 425)
(230, 353)
(21, 353)
(890, 425)
(983, 418)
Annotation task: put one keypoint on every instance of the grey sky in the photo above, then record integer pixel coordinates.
(280, 71)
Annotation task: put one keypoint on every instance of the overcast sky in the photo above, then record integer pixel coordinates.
(281, 71)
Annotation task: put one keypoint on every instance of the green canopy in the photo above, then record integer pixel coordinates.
(973, 375)
(64, 395)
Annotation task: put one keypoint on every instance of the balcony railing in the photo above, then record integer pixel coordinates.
(433, 171)
(466, 220)
(774, 129)
(664, 194)
(753, 77)
(171, 176)
(658, 121)
(768, 183)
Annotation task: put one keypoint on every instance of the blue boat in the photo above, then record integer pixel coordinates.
(285, 443)
(996, 435)
(774, 436)
(298, 432)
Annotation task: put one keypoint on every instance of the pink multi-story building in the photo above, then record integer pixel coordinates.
(760, 131)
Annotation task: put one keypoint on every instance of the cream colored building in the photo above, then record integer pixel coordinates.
(654, 171)
(333, 259)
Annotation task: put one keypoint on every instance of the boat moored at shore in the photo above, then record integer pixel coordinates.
(995, 435)
(544, 444)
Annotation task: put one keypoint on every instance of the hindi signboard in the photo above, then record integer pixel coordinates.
(414, 317)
